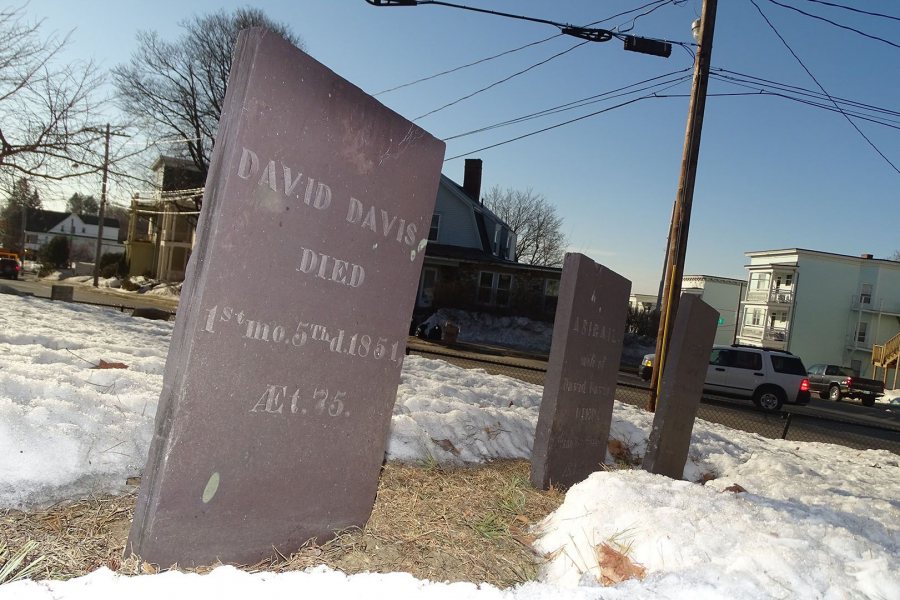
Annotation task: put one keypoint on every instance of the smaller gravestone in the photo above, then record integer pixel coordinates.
(682, 386)
(580, 386)
(64, 293)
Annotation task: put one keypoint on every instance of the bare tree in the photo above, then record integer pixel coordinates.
(46, 108)
(538, 229)
(176, 89)
(895, 255)
(82, 205)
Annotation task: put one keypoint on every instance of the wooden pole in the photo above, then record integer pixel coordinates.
(681, 213)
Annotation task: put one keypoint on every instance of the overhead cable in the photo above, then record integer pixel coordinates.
(813, 77)
(836, 24)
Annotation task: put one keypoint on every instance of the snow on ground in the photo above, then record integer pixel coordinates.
(483, 328)
(815, 521)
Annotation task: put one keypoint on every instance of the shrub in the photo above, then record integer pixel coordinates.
(55, 253)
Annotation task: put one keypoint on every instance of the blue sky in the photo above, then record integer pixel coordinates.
(772, 174)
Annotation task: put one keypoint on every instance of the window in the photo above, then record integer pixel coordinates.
(746, 360)
(551, 295)
(721, 358)
(493, 288)
(816, 369)
(753, 316)
(789, 279)
(861, 332)
(788, 364)
(759, 281)
(865, 294)
(426, 287)
(497, 230)
(435, 227)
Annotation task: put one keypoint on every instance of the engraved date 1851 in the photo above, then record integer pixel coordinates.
(337, 340)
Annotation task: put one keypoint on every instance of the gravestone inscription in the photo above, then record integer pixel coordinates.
(580, 385)
(286, 354)
(681, 388)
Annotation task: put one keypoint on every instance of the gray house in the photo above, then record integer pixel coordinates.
(470, 259)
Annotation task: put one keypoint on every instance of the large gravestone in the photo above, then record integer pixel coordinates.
(285, 359)
(682, 387)
(580, 386)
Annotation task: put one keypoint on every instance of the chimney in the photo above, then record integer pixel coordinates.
(472, 179)
(866, 256)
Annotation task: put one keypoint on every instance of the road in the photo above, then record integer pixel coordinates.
(847, 423)
(30, 284)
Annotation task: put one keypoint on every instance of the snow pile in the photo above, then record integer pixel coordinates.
(66, 428)
(510, 332)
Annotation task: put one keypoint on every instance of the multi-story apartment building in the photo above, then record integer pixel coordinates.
(823, 307)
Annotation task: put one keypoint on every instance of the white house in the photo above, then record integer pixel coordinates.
(823, 307)
(81, 231)
(642, 302)
(723, 294)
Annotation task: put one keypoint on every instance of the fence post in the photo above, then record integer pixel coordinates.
(787, 425)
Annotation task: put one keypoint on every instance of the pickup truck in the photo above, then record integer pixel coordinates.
(835, 382)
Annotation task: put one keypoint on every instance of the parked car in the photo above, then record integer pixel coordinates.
(768, 377)
(835, 382)
(9, 268)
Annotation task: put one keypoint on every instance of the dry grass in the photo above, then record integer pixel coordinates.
(467, 524)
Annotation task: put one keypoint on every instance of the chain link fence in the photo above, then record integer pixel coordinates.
(800, 424)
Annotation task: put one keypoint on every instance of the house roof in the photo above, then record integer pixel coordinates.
(784, 251)
(171, 161)
(474, 255)
(43, 220)
(95, 220)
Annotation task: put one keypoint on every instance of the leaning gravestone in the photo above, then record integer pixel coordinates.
(580, 386)
(683, 376)
(285, 359)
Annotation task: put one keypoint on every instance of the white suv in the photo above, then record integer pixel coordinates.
(768, 377)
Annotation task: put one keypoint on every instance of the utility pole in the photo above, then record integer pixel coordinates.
(102, 208)
(681, 212)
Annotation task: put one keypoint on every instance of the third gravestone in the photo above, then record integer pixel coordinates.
(580, 386)
(681, 387)
(290, 335)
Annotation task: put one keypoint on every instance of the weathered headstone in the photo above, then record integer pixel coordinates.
(682, 387)
(63, 293)
(285, 359)
(580, 385)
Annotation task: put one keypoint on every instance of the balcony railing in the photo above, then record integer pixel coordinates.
(769, 334)
(776, 296)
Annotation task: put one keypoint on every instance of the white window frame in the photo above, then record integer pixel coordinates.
(495, 293)
(861, 331)
(865, 293)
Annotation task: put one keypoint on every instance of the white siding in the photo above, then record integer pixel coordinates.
(458, 226)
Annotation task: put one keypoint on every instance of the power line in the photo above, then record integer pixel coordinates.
(659, 4)
(836, 24)
(465, 66)
(763, 92)
(856, 10)
(735, 76)
(578, 103)
(545, 129)
(813, 77)
(504, 80)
